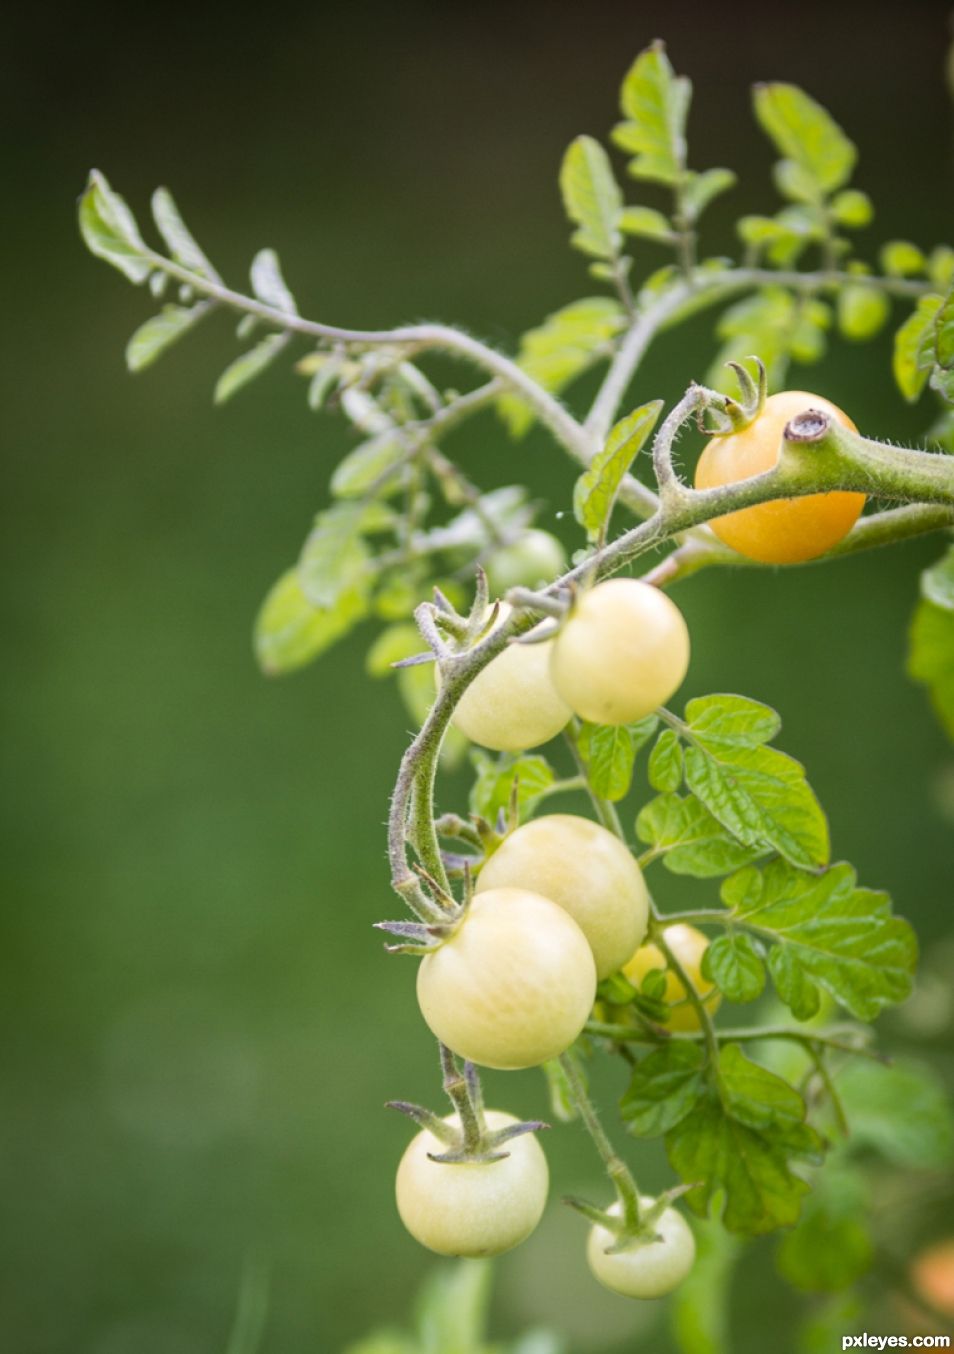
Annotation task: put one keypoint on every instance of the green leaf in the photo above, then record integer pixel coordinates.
(937, 582)
(647, 223)
(902, 1111)
(760, 324)
(689, 840)
(831, 1247)
(805, 133)
(568, 343)
(852, 209)
(335, 557)
(391, 645)
(901, 258)
(655, 103)
(663, 1089)
(700, 1307)
(269, 285)
(609, 751)
(931, 658)
(757, 793)
(248, 366)
(182, 247)
(862, 311)
(843, 938)
(793, 984)
(110, 231)
(738, 1144)
(734, 964)
(369, 462)
(158, 333)
(701, 189)
(290, 632)
(596, 489)
(592, 198)
(493, 787)
(828, 1323)
(911, 370)
(665, 762)
(941, 266)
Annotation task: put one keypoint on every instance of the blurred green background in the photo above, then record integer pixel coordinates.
(200, 1026)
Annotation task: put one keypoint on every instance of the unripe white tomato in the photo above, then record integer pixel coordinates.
(472, 1208)
(532, 560)
(512, 704)
(689, 945)
(514, 984)
(622, 653)
(585, 870)
(649, 1269)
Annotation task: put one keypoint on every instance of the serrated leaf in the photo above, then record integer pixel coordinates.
(739, 1144)
(757, 793)
(159, 333)
(335, 557)
(609, 751)
(289, 632)
(367, 463)
(647, 223)
(862, 311)
(251, 364)
(803, 131)
(269, 285)
(901, 258)
(592, 198)
(931, 658)
(655, 103)
(663, 1089)
(844, 938)
(701, 189)
(734, 964)
(796, 989)
(689, 840)
(665, 762)
(831, 1247)
(110, 231)
(911, 372)
(568, 343)
(493, 785)
(181, 244)
(596, 489)
(902, 1111)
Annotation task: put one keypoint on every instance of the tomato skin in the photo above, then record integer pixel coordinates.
(472, 1208)
(512, 704)
(689, 945)
(932, 1275)
(785, 530)
(513, 986)
(533, 560)
(585, 870)
(651, 1269)
(622, 653)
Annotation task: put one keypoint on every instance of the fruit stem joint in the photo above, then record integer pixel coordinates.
(819, 453)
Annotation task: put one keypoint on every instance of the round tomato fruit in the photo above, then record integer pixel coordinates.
(622, 652)
(513, 985)
(512, 703)
(688, 945)
(472, 1208)
(647, 1269)
(784, 530)
(585, 870)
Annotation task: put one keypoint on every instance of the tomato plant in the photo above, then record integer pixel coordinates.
(522, 920)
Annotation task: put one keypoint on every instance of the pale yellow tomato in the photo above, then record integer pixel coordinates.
(688, 945)
(646, 1269)
(587, 871)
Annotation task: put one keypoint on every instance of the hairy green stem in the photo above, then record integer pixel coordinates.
(617, 1170)
(627, 1034)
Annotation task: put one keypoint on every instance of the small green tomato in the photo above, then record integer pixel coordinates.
(472, 1208)
(514, 984)
(649, 1269)
(585, 870)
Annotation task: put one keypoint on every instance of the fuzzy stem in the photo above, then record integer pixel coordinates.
(616, 1168)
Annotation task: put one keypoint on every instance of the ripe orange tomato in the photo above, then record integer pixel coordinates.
(785, 530)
